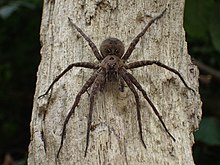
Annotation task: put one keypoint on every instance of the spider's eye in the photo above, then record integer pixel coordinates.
(116, 50)
(109, 50)
(112, 58)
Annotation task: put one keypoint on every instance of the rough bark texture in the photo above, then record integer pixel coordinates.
(115, 139)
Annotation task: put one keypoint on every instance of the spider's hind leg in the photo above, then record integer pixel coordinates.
(132, 88)
(139, 87)
(121, 84)
(96, 86)
(85, 87)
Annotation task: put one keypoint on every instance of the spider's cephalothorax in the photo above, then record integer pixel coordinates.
(112, 67)
(112, 49)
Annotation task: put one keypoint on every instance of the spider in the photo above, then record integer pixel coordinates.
(113, 67)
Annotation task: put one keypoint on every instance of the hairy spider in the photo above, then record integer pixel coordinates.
(113, 67)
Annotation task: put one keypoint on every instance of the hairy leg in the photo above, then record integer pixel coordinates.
(91, 44)
(121, 84)
(96, 86)
(139, 87)
(76, 102)
(138, 64)
(89, 122)
(137, 38)
(132, 88)
(77, 64)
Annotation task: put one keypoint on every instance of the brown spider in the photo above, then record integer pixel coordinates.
(113, 67)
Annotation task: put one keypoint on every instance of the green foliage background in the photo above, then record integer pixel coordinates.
(19, 59)
(202, 25)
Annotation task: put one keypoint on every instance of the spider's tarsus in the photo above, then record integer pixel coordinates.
(164, 11)
(46, 93)
(87, 142)
(192, 90)
(143, 143)
(171, 136)
(70, 20)
(41, 96)
(159, 16)
(58, 153)
(86, 151)
(62, 138)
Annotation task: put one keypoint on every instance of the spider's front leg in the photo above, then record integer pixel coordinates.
(138, 64)
(137, 38)
(91, 44)
(77, 64)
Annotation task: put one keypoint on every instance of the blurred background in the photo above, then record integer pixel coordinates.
(20, 57)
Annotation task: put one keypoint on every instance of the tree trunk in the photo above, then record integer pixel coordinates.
(114, 138)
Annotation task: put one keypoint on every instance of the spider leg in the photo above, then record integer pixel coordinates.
(89, 121)
(91, 44)
(145, 63)
(85, 87)
(121, 84)
(96, 86)
(139, 87)
(132, 88)
(77, 64)
(137, 38)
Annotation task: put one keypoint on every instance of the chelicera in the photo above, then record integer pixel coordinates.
(113, 66)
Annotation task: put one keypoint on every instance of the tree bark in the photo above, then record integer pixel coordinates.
(114, 138)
